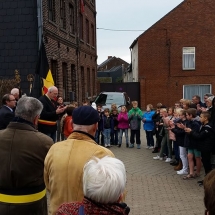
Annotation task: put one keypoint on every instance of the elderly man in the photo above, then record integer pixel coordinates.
(7, 112)
(65, 161)
(15, 93)
(22, 153)
(47, 123)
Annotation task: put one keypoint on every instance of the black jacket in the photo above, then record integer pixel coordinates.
(204, 138)
(189, 141)
(49, 114)
(179, 133)
(6, 116)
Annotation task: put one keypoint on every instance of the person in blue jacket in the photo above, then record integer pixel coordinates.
(148, 126)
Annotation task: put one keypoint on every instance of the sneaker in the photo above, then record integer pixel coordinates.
(147, 147)
(157, 158)
(182, 172)
(131, 146)
(168, 160)
(138, 146)
(151, 147)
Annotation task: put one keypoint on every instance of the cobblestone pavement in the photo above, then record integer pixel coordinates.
(154, 188)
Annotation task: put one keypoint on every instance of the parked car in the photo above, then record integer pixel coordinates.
(108, 98)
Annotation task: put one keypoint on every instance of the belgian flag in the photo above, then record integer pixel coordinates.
(43, 70)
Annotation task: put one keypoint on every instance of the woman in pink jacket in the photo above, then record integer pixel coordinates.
(123, 125)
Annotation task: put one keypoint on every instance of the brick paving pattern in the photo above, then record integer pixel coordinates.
(154, 188)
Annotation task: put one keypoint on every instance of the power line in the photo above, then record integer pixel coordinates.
(108, 29)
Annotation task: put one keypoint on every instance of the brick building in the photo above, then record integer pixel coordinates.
(70, 36)
(68, 30)
(176, 54)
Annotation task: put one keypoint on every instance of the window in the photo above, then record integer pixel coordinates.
(51, 7)
(81, 26)
(190, 90)
(62, 14)
(188, 58)
(65, 88)
(93, 35)
(87, 31)
(88, 82)
(54, 70)
(71, 19)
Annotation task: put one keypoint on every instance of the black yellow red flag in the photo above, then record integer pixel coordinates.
(43, 70)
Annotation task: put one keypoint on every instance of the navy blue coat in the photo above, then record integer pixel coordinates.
(6, 116)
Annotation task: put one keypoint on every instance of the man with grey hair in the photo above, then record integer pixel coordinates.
(15, 93)
(47, 123)
(65, 160)
(22, 154)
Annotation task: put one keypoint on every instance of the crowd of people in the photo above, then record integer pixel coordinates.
(64, 149)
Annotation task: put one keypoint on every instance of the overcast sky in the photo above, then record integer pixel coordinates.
(126, 15)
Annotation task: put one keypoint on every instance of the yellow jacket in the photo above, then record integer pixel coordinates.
(64, 164)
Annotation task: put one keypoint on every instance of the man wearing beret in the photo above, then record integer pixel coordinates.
(65, 160)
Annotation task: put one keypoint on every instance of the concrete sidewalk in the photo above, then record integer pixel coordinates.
(154, 188)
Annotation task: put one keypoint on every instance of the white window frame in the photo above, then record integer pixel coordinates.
(188, 53)
(196, 93)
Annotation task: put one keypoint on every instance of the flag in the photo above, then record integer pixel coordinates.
(82, 6)
(43, 70)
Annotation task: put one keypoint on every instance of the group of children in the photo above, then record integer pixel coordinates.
(111, 126)
(186, 131)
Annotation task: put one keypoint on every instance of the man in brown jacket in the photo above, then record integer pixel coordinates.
(65, 160)
(22, 154)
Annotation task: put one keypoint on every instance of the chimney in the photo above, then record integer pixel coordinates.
(109, 57)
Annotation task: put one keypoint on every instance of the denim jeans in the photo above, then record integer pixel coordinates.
(107, 133)
(52, 135)
(120, 135)
(166, 143)
(149, 138)
(176, 150)
(97, 137)
(114, 137)
(133, 134)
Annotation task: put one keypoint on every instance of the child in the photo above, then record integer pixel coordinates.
(108, 126)
(148, 126)
(205, 141)
(135, 116)
(190, 143)
(123, 125)
(180, 135)
(68, 124)
(114, 135)
(100, 125)
(165, 140)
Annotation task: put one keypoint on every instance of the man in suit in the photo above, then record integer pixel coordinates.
(6, 112)
(47, 123)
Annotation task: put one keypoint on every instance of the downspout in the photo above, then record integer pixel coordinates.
(40, 22)
(77, 50)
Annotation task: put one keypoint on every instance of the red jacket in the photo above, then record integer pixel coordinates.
(68, 126)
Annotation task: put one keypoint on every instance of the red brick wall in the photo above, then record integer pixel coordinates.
(191, 24)
(65, 47)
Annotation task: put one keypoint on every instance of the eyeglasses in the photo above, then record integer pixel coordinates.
(12, 100)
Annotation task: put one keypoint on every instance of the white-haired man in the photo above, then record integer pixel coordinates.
(47, 123)
(22, 154)
(104, 183)
(65, 160)
(15, 93)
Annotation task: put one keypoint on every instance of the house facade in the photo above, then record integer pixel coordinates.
(176, 54)
(68, 29)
